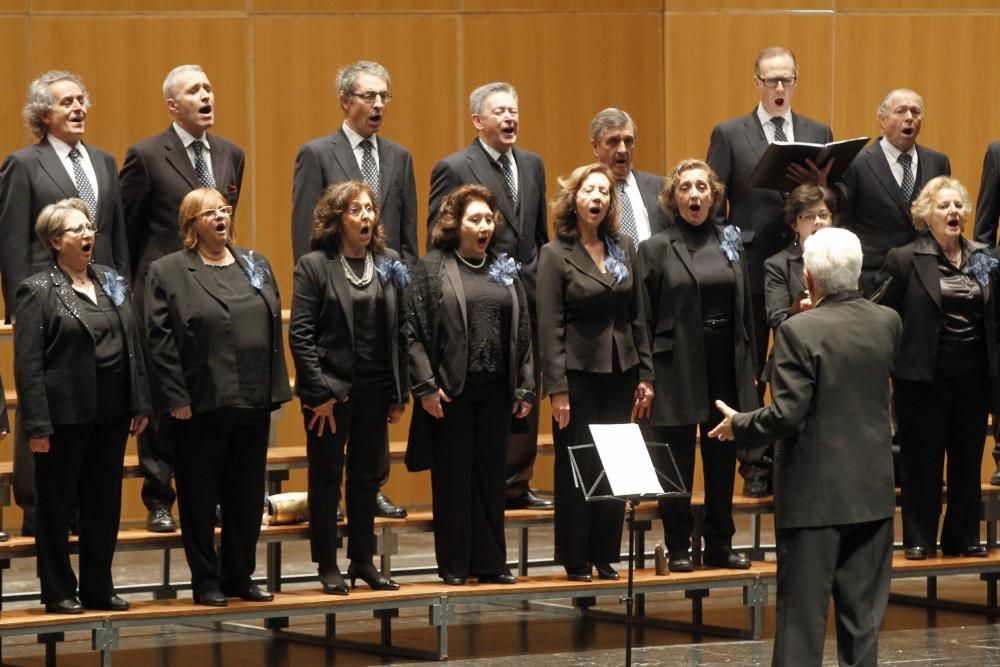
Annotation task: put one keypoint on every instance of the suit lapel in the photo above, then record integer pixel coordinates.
(578, 256)
(754, 135)
(451, 272)
(203, 276)
(177, 157)
(69, 298)
(220, 164)
(104, 198)
(267, 292)
(926, 269)
(649, 196)
(386, 163)
(486, 173)
(681, 251)
(340, 287)
(875, 158)
(803, 130)
(340, 145)
(51, 165)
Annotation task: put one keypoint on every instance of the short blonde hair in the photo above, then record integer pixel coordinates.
(194, 203)
(564, 205)
(52, 220)
(923, 205)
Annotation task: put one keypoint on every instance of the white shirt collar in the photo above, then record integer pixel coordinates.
(892, 153)
(765, 117)
(355, 139)
(62, 148)
(494, 153)
(187, 138)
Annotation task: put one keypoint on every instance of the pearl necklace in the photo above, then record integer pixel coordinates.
(352, 277)
(470, 264)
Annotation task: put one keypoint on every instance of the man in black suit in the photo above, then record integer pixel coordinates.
(59, 166)
(988, 204)
(833, 488)
(517, 177)
(157, 174)
(357, 152)
(875, 194)
(733, 151)
(612, 137)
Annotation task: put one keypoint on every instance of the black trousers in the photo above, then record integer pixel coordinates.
(522, 447)
(589, 532)
(718, 458)
(762, 333)
(82, 467)
(467, 481)
(221, 457)
(947, 416)
(361, 427)
(24, 476)
(853, 562)
(156, 459)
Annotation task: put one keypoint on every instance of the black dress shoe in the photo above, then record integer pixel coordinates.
(4, 536)
(160, 521)
(453, 580)
(211, 599)
(605, 571)
(971, 551)
(253, 593)
(67, 606)
(388, 509)
(505, 578)
(915, 553)
(371, 576)
(333, 581)
(727, 558)
(113, 603)
(340, 514)
(528, 501)
(579, 573)
(756, 487)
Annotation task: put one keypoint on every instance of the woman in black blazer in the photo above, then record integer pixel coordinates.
(213, 319)
(471, 368)
(696, 299)
(594, 355)
(944, 287)
(348, 336)
(81, 386)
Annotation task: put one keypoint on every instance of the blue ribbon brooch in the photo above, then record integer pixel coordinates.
(731, 243)
(256, 272)
(981, 264)
(504, 269)
(614, 261)
(116, 288)
(394, 271)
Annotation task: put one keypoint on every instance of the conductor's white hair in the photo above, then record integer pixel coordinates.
(833, 258)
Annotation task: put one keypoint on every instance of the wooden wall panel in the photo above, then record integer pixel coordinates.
(702, 91)
(912, 6)
(146, 6)
(748, 5)
(536, 6)
(355, 6)
(12, 6)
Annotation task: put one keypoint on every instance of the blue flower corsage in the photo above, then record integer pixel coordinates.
(115, 287)
(256, 272)
(614, 261)
(981, 264)
(504, 269)
(394, 271)
(731, 243)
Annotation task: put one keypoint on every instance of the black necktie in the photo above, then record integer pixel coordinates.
(779, 132)
(508, 177)
(83, 185)
(201, 167)
(906, 162)
(369, 170)
(627, 222)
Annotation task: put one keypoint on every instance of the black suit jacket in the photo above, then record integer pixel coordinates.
(584, 317)
(783, 283)
(525, 230)
(671, 302)
(4, 422)
(650, 186)
(871, 203)
(829, 413)
(329, 160)
(55, 357)
(31, 179)
(321, 332)
(914, 291)
(733, 151)
(988, 204)
(155, 178)
(189, 331)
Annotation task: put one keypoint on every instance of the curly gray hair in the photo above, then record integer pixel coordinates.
(40, 100)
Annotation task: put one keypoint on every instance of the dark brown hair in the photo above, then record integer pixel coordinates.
(333, 202)
(445, 235)
(805, 196)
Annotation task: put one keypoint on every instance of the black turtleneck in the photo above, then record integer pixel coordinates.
(716, 280)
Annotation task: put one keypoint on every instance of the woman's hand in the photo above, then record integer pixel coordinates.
(521, 409)
(3, 434)
(322, 418)
(139, 424)
(432, 403)
(182, 413)
(39, 445)
(643, 406)
(395, 412)
(560, 408)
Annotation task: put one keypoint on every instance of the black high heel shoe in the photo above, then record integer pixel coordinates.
(333, 581)
(368, 574)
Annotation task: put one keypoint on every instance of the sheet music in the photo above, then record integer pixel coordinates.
(626, 460)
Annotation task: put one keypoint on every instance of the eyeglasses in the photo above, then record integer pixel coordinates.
(81, 229)
(773, 81)
(369, 96)
(822, 216)
(222, 210)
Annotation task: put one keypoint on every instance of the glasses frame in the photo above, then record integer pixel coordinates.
(786, 82)
(373, 95)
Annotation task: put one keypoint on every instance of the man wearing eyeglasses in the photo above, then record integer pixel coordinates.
(158, 172)
(733, 151)
(60, 165)
(357, 152)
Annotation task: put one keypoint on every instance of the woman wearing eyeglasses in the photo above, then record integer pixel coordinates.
(213, 321)
(82, 389)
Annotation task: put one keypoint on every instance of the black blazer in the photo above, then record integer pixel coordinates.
(437, 336)
(782, 283)
(988, 204)
(871, 203)
(155, 178)
(4, 422)
(189, 333)
(31, 179)
(914, 291)
(584, 317)
(321, 332)
(329, 160)
(829, 414)
(733, 151)
(650, 186)
(524, 230)
(55, 362)
(671, 302)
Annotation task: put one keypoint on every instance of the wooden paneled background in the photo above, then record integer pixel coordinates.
(678, 66)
